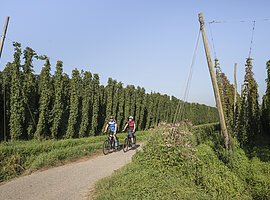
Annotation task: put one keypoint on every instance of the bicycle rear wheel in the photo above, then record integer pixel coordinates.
(106, 147)
(134, 140)
(126, 145)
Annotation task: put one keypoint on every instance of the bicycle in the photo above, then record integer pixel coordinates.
(128, 142)
(109, 144)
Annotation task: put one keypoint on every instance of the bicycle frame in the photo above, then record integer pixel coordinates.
(111, 140)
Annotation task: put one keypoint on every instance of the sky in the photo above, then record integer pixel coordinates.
(147, 43)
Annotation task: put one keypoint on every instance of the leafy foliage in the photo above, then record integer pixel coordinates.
(16, 97)
(45, 89)
(249, 113)
(266, 102)
(173, 166)
(96, 101)
(244, 118)
(86, 104)
(46, 106)
(74, 104)
(30, 93)
(58, 108)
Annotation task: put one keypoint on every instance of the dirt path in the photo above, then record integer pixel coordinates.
(71, 181)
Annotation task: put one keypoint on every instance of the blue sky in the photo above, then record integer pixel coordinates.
(147, 43)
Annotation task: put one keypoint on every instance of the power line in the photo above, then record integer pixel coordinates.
(237, 21)
(241, 21)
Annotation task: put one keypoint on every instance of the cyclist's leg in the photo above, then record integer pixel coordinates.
(111, 139)
(116, 140)
(115, 137)
(133, 134)
(130, 136)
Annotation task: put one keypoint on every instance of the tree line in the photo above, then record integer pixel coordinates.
(46, 106)
(245, 117)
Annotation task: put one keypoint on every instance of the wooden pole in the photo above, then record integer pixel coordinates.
(235, 90)
(3, 36)
(214, 83)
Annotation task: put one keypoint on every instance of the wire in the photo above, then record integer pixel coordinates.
(181, 107)
(212, 39)
(251, 41)
(237, 21)
(241, 21)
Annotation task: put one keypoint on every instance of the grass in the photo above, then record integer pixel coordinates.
(175, 165)
(22, 157)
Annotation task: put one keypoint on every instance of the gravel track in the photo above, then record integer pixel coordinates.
(69, 182)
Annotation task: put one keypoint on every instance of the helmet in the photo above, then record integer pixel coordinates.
(111, 117)
(130, 117)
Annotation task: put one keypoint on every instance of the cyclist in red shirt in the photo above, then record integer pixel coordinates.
(131, 128)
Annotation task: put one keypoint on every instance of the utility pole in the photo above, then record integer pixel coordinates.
(214, 83)
(235, 90)
(4, 36)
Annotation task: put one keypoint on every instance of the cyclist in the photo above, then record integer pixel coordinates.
(112, 125)
(131, 128)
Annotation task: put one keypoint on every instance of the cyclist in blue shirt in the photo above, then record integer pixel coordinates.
(112, 126)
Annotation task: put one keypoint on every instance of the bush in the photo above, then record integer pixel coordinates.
(259, 179)
(171, 166)
(216, 178)
(236, 161)
(208, 132)
(162, 170)
(262, 152)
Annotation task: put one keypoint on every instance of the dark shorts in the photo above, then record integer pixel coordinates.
(112, 133)
(131, 134)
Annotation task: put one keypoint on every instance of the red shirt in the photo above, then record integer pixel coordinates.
(131, 125)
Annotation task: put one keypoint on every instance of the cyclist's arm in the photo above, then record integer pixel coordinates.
(115, 129)
(134, 128)
(106, 127)
(125, 127)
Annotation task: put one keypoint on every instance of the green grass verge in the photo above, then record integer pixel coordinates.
(177, 167)
(20, 157)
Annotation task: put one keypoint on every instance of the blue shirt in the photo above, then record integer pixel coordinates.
(112, 125)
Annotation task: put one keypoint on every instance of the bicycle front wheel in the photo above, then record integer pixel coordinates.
(106, 147)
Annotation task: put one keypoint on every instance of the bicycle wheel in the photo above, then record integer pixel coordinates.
(112, 144)
(126, 144)
(106, 147)
(134, 140)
